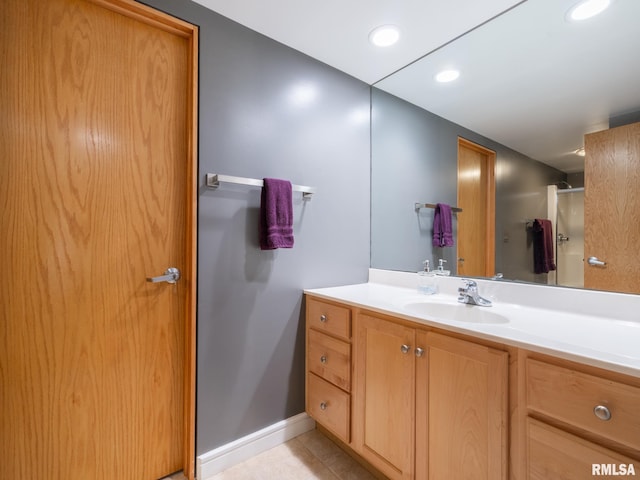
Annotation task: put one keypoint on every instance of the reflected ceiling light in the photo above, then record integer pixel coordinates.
(384, 35)
(587, 9)
(447, 76)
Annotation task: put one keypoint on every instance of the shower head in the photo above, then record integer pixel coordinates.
(565, 183)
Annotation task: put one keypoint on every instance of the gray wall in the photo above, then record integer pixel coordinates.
(250, 356)
(414, 159)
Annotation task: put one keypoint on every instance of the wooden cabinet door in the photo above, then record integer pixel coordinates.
(462, 412)
(384, 395)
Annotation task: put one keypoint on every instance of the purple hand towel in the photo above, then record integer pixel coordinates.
(276, 215)
(543, 254)
(442, 226)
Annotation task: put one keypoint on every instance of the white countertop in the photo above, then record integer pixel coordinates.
(595, 328)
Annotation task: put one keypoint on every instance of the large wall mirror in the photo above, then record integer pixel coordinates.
(533, 88)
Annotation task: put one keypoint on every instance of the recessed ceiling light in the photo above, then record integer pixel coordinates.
(447, 76)
(587, 9)
(384, 35)
(580, 152)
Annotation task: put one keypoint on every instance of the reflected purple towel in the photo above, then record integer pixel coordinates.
(276, 215)
(543, 254)
(442, 226)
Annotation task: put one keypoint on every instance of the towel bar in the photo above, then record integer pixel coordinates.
(418, 206)
(213, 180)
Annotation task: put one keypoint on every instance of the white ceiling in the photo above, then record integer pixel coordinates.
(534, 82)
(336, 31)
(530, 80)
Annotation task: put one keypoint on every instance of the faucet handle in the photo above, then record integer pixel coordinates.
(469, 283)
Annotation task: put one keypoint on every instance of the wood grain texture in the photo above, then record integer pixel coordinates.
(329, 318)
(476, 197)
(557, 455)
(384, 396)
(612, 208)
(329, 358)
(336, 414)
(94, 191)
(570, 396)
(467, 410)
(328, 382)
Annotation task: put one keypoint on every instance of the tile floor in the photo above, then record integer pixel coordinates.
(309, 456)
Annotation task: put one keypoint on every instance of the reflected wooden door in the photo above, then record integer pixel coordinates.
(476, 197)
(612, 209)
(95, 185)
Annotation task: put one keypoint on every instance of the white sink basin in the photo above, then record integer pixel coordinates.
(460, 312)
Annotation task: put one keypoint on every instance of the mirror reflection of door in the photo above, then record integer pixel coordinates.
(476, 197)
(612, 209)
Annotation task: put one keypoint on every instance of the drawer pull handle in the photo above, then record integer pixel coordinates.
(323, 318)
(323, 405)
(602, 412)
(323, 359)
(405, 348)
(419, 352)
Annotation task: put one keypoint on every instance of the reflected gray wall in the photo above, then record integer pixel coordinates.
(250, 357)
(414, 159)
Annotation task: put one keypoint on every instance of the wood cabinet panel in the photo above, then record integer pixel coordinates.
(330, 406)
(571, 396)
(384, 395)
(466, 414)
(557, 455)
(329, 318)
(330, 359)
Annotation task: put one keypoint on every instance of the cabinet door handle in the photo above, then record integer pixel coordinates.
(419, 352)
(405, 348)
(323, 359)
(323, 318)
(602, 412)
(323, 405)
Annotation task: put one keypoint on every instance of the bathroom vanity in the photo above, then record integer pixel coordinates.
(422, 387)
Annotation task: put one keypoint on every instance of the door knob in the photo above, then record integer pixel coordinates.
(595, 262)
(171, 275)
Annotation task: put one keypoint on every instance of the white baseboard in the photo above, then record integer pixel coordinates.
(226, 456)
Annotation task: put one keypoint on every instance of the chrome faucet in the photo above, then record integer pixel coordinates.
(469, 294)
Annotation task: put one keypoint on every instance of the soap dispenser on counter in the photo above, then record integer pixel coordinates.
(427, 280)
(440, 270)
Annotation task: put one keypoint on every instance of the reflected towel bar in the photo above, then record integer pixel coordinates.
(213, 180)
(418, 206)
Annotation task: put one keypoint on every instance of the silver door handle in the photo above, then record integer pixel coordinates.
(595, 261)
(171, 275)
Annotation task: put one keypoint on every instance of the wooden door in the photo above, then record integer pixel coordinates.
(462, 426)
(612, 209)
(383, 413)
(96, 187)
(476, 222)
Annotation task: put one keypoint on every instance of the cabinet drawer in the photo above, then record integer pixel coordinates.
(557, 455)
(330, 359)
(571, 397)
(329, 406)
(329, 318)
